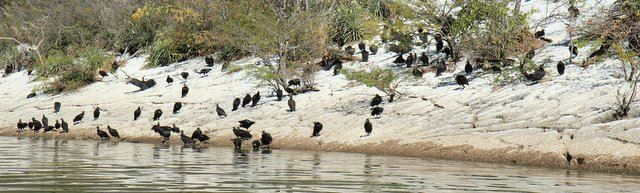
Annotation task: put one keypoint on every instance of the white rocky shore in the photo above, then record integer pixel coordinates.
(532, 125)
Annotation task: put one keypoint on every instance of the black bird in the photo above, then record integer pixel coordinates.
(78, 118)
(255, 99)
(8, 69)
(21, 125)
(350, 50)
(368, 127)
(65, 126)
(157, 114)
(441, 68)
(569, 158)
(317, 127)
(137, 113)
(290, 90)
(278, 95)
(204, 71)
(447, 51)
(337, 68)
(292, 104)
(113, 132)
(185, 90)
(376, 111)
(424, 59)
(169, 79)
(31, 95)
(30, 125)
(540, 33)
(242, 134)
(391, 96)
(462, 80)
(266, 139)
(220, 111)
(101, 134)
(416, 72)
(246, 123)
(184, 75)
(56, 107)
(186, 140)
(96, 113)
(376, 100)
(175, 129)
(165, 132)
(237, 143)
(36, 124)
(209, 60)
(294, 82)
(410, 60)
(439, 46)
(536, 76)
(531, 54)
(573, 50)
(45, 121)
(560, 67)
(176, 107)
(47, 129)
(362, 46)
(255, 144)
(399, 59)
(57, 125)
(373, 49)
(102, 73)
(468, 68)
(365, 56)
(246, 100)
(198, 135)
(236, 104)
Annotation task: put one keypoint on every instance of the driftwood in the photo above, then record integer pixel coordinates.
(142, 84)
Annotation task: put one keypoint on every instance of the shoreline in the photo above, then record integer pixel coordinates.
(424, 150)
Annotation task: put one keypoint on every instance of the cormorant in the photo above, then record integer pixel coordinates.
(198, 135)
(241, 134)
(157, 114)
(373, 49)
(368, 127)
(56, 107)
(536, 76)
(184, 75)
(439, 46)
(337, 68)
(30, 124)
(165, 132)
(65, 126)
(176, 107)
(47, 129)
(279, 95)
(294, 82)
(101, 134)
(410, 60)
(45, 121)
(137, 113)
(175, 129)
(255, 99)
(399, 59)
(220, 111)
(462, 80)
(560, 67)
(169, 79)
(362, 46)
(96, 113)
(57, 125)
(291, 103)
(365, 56)
(102, 73)
(236, 104)
(317, 127)
(266, 139)
(350, 50)
(185, 90)
(573, 50)
(204, 71)
(246, 123)
(255, 144)
(416, 72)
(21, 125)
(237, 143)
(376, 100)
(468, 68)
(186, 140)
(209, 60)
(376, 111)
(113, 132)
(31, 95)
(441, 68)
(539, 34)
(531, 54)
(78, 118)
(246, 100)
(424, 59)
(36, 124)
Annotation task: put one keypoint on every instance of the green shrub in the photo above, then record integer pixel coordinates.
(385, 80)
(352, 23)
(69, 72)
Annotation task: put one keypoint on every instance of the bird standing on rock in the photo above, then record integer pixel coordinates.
(185, 90)
(113, 132)
(103, 73)
(317, 127)
(157, 114)
(291, 103)
(78, 118)
(236, 104)
(136, 113)
(246, 100)
(255, 99)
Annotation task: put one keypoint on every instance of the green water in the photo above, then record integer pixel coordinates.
(31, 164)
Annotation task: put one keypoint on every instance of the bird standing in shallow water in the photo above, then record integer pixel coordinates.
(266, 139)
(291, 103)
(368, 128)
(113, 132)
(137, 113)
(246, 100)
(256, 144)
(185, 90)
(186, 140)
(157, 114)
(236, 104)
(101, 134)
(317, 127)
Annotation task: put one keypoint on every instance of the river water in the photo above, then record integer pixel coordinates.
(32, 164)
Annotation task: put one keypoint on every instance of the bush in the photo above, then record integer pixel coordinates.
(352, 23)
(69, 72)
(385, 80)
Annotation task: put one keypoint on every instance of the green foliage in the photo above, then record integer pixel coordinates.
(352, 23)
(71, 71)
(379, 78)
